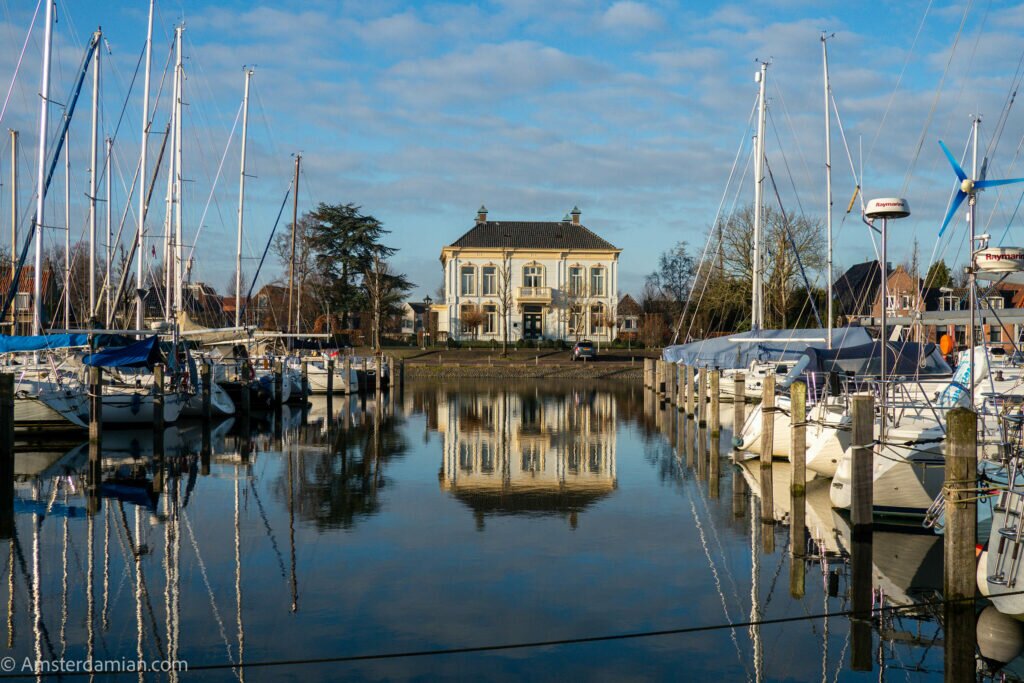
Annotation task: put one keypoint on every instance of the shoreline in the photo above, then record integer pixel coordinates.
(623, 372)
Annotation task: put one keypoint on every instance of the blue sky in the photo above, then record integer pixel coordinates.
(633, 110)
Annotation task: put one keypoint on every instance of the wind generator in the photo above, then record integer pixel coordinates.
(969, 188)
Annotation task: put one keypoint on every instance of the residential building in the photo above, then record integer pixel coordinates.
(535, 279)
(628, 314)
(22, 304)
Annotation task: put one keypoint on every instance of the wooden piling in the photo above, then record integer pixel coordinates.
(680, 398)
(798, 488)
(702, 396)
(689, 391)
(95, 412)
(767, 445)
(206, 379)
(647, 373)
(659, 377)
(7, 456)
(158, 399)
(346, 372)
(244, 409)
(862, 462)
(671, 378)
(305, 380)
(716, 399)
(378, 372)
(959, 538)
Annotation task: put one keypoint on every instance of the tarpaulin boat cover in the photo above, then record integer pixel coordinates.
(736, 351)
(901, 359)
(46, 342)
(42, 342)
(141, 354)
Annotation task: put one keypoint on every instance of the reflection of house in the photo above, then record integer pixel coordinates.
(543, 279)
(509, 452)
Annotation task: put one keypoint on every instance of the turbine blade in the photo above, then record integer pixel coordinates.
(982, 184)
(953, 162)
(957, 201)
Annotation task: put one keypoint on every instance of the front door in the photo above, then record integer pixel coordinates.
(533, 326)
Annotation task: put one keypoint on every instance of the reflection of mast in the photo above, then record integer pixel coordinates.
(291, 529)
(106, 567)
(37, 612)
(136, 548)
(755, 606)
(64, 583)
(90, 595)
(238, 587)
(10, 592)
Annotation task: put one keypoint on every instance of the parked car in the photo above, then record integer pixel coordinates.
(584, 350)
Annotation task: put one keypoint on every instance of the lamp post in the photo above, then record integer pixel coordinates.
(426, 320)
(885, 209)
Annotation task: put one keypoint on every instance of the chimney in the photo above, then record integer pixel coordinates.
(566, 219)
(575, 215)
(481, 214)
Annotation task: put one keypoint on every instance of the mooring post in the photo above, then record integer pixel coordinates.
(278, 396)
(647, 372)
(346, 376)
(7, 457)
(959, 538)
(659, 377)
(206, 379)
(305, 380)
(739, 406)
(378, 373)
(691, 391)
(702, 396)
(798, 488)
(245, 404)
(158, 410)
(716, 400)
(862, 442)
(767, 446)
(401, 376)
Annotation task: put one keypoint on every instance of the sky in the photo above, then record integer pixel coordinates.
(637, 111)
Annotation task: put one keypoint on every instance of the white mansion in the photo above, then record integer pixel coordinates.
(543, 279)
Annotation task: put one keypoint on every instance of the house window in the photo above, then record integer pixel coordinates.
(996, 302)
(597, 281)
(960, 334)
(949, 303)
(468, 280)
(629, 323)
(576, 320)
(533, 276)
(24, 302)
(995, 334)
(905, 300)
(490, 319)
(890, 302)
(596, 318)
(489, 279)
(576, 280)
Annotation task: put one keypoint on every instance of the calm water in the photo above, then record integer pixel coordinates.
(458, 515)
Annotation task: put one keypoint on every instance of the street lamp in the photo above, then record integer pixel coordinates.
(426, 320)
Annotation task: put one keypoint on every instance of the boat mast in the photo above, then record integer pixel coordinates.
(180, 78)
(757, 312)
(169, 202)
(94, 157)
(14, 206)
(44, 111)
(109, 252)
(828, 188)
(972, 280)
(241, 202)
(141, 237)
(291, 263)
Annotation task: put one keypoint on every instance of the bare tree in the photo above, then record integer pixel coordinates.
(471, 317)
(504, 297)
(384, 292)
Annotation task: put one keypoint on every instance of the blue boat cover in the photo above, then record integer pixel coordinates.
(141, 354)
(42, 342)
(736, 351)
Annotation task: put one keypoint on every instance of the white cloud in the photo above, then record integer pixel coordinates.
(628, 16)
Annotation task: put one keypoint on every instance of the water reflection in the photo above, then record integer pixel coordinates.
(527, 450)
(343, 530)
